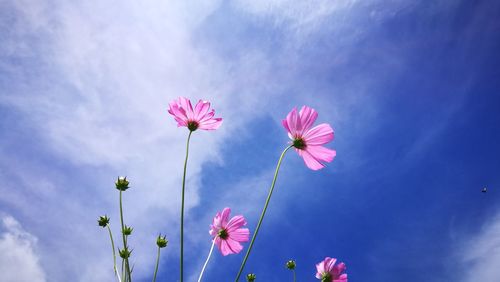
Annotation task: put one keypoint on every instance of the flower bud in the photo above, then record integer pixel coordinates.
(103, 221)
(290, 264)
(251, 277)
(125, 253)
(127, 230)
(122, 183)
(161, 241)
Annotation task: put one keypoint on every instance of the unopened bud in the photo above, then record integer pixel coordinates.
(127, 230)
(103, 221)
(290, 264)
(161, 241)
(251, 277)
(122, 183)
(125, 253)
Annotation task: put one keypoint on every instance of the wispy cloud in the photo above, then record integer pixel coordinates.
(19, 260)
(480, 254)
(91, 82)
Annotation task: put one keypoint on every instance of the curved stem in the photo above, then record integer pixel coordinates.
(263, 212)
(127, 267)
(206, 262)
(182, 205)
(114, 254)
(157, 262)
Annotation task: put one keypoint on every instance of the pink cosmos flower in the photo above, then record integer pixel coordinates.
(228, 234)
(327, 271)
(308, 141)
(200, 117)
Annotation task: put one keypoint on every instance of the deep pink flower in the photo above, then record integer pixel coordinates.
(201, 117)
(327, 271)
(308, 141)
(228, 234)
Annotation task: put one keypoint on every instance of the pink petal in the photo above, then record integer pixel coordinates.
(224, 248)
(307, 117)
(229, 246)
(235, 223)
(216, 221)
(339, 268)
(235, 246)
(293, 122)
(320, 268)
(186, 105)
(176, 111)
(309, 160)
(210, 124)
(285, 125)
(342, 278)
(213, 230)
(330, 264)
(319, 135)
(321, 153)
(240, 235)
(225, 216)
(218, 243)
(201, 109)
(208, 116)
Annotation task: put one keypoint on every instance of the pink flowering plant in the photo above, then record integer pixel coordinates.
(229, 234)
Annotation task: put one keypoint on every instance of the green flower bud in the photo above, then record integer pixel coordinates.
(103, 221)
(161, 241)
(290, 264)
(127, 230)
(122, 183)
(251, 277)
(125, 253)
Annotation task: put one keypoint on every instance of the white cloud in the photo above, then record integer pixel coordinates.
(480, 256)
(19, 261)
(95, 98)
(92, 84)
(297, 15)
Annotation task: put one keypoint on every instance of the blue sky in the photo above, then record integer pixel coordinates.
(411, 90)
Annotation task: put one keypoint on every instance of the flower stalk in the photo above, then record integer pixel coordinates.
(206, 262)
(127, 275)
(263, 213)
(182, 206)
(114, 254)
(157, 262)
(161, 242)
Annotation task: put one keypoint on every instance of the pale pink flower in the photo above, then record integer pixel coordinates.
(328, 271)
(201, 117)
(308, 141)
(228, 233)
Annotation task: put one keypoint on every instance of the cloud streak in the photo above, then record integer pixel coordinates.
(19, 260)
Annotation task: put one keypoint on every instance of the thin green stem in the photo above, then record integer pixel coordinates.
(206, 262)
(157, 263)
(294, 279)
(123, 269)
(114, 254)
(263, 213)
(182, 206)
(127, 277)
